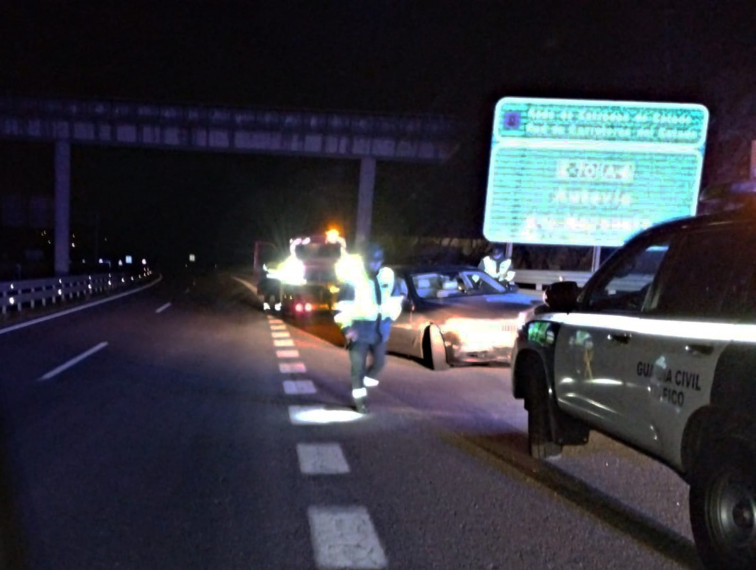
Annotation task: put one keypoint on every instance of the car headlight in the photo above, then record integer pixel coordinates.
(480, 333)
(523, 317)
(462, 326)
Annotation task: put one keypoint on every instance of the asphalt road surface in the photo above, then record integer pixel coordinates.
(181, 427)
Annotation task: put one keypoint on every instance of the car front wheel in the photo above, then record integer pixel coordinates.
(723, 504)
(434, 351)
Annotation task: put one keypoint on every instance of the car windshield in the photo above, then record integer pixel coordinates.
(462, 283)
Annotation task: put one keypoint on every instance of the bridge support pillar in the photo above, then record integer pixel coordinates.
(62, 207)
(365, 201)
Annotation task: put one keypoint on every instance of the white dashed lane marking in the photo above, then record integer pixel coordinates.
(321, 459)
(162, 308)
(292, 367)
(344, 537)
(299, 387)
(287, 353)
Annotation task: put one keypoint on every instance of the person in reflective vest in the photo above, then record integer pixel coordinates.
(497, 265)
(366, 306)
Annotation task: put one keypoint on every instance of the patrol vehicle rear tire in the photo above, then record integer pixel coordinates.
(434, 351)
(722, 504)
(540, 444)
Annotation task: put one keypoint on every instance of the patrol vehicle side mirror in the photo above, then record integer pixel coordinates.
(562, 296)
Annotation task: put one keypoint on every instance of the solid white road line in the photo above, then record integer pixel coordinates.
(247, 285)
(73, 361)
(344, 537)
(283, 342)
(299, 387)
(321, 459)
(163, 308)
(292, 367)
(76, 309)
(287, 353)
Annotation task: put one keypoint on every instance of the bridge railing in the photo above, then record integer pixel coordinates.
(230, 117)
(16, 296)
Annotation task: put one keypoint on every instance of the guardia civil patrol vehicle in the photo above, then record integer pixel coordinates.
(658, 350)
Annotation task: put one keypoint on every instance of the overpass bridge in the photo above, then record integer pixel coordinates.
(367, 137)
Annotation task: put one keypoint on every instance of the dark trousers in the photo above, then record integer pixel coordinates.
(358, 357)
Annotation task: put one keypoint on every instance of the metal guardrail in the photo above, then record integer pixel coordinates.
(543, 277)
(23, 295)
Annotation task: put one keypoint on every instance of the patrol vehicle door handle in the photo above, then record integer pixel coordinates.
(703, 349)
(622, 338)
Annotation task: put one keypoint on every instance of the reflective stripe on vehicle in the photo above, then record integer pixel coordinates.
(678, 328)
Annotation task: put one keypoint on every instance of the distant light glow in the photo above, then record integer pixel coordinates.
(291, 271)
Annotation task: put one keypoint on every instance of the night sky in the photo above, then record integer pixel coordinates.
(450, 58)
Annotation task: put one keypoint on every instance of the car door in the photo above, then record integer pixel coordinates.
(597, 356)
(692, 316)
(400, 339)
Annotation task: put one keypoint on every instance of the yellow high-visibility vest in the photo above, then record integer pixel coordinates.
(365, 306)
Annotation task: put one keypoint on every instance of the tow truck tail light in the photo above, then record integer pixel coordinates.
(303, 307)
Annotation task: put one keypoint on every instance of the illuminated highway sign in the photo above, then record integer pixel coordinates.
(590, 172)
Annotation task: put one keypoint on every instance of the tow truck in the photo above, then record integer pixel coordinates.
(305, 283)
